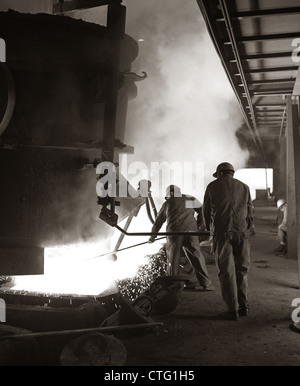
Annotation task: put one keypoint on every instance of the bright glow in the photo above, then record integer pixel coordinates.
(256, 179)
(81, 270)
(78, 270)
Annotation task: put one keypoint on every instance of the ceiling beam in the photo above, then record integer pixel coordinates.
(271, 105)
(257, 38)
(270, 69)
(261, 13)
(263, 56)
(261, 94)
(267, 81)
(273, 89)
(269, 120)
(268, 111)
(274, 113)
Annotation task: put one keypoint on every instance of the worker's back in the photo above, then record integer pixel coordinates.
(227, 204)
(180, 215)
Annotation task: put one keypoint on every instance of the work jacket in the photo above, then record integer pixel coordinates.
(179, 213)
(227, 207)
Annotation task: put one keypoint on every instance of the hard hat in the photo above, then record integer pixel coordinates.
(281, 202)
(223, 166)
(173, 189)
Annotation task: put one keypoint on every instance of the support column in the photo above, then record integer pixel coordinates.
(282, 186)
(116, 16)
(293, 179)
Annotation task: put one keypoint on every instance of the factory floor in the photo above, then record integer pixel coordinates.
(195, 333)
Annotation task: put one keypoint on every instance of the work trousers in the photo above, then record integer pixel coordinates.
(281, 235)
(232, 253)
(192, 250)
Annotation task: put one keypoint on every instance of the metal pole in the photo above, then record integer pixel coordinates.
(116, 16)
(175, 233)
(293, 181)
(83, 331)
(123, 249)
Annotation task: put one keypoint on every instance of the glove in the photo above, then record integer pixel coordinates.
(151, 240)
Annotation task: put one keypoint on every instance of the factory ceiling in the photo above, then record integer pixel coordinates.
(258, 43)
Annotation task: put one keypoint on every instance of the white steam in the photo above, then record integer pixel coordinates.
(185, 110)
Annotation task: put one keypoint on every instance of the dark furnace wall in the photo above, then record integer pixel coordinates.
(58, 68)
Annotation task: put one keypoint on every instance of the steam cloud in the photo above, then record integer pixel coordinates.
(185, 110)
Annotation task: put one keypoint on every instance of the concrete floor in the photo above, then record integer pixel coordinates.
(195, 333)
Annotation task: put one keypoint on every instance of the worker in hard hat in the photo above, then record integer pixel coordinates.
(282, 227)
(178, 211)
(227, 212)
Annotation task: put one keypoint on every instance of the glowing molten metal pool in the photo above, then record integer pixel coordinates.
(79, 270)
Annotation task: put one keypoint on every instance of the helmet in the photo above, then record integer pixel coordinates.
(223, 166)
(281, 202)
(173, 189)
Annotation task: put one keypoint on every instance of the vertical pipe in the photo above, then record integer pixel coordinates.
(116, 16)
(282, 181)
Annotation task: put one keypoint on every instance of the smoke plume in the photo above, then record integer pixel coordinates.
(186, 110)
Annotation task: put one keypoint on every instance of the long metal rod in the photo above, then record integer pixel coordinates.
(123, 249)
(83, 331)
(183, 233)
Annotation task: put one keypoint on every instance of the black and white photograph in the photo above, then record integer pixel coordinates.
(150, 186)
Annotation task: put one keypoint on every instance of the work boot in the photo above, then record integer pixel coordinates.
(191, 286)
(232, 315)
(208, 287)
(244, 311)
(280, 249)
